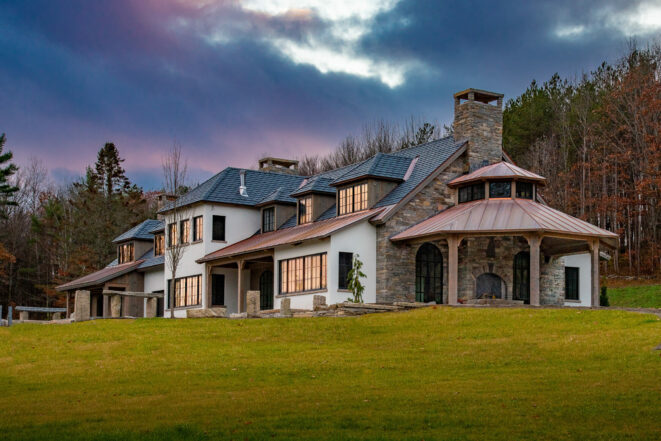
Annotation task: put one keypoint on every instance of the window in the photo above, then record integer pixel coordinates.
(159, 245)
(571, 283)
(268, 219)
(303, 273)
(305, 210)
(352, 199)
(345, 265)
(522, 277)
(125, 253)
(187, 291)
(524, 190)
(198, 228)
(429, 274)
(185, 230)
(500, 189)
(218, 228)
(471, 192)
(172, 235)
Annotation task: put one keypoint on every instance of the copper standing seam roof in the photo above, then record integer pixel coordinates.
(314, 230)
(503, 216)
(101, 276)
(500, 170)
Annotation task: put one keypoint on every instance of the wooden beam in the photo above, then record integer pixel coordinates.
(594, 277)
(534, 241)
(453, 269)
(148, 295)
(239, 300)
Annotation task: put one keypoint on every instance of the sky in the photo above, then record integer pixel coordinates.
(234, 80)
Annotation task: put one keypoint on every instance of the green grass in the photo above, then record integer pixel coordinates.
(437, 373)
(636, 296)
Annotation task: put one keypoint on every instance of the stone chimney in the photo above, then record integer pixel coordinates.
(478, 118)
(279, 165)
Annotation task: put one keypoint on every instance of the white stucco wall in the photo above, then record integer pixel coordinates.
(583, 263)
(154, 280)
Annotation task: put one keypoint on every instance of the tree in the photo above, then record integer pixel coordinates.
(7, 169)
(355, 285)
(108, 171)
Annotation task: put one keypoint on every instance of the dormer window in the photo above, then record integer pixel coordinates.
(352, 199)
(268, 219)
(305, 210)
(524, 190)
(159, 245)
(471, 192)
(500, 189)
(125, 253)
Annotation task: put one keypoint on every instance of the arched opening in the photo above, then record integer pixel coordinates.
(489, 286)
(521, 289)
(266, 290)
(429, 274)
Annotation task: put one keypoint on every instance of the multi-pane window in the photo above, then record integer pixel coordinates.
(198, 228)
(352, 199)
(268, 219)
(500, 189)
(521, 287)
(159, 245)
(185, 230)
(173, 240)
(571, 283)
(471, 192)
(125, 253)
(305, 210)
(300, 274)
(187, 291)
(345, 265)
(218, 228)
(524, 190)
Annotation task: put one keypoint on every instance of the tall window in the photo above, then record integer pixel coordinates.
(500, 189)
(159, 245)
(521, 289)
(218, 228)
(198, 228)
(300, 274)
(185, 230)
(524, 190)
(571, 283)
(305, 210)
(352, 199)
(187, 291)
(172, 235)
(428, 274)
(268, 219)
(345, 265)
(125, 253)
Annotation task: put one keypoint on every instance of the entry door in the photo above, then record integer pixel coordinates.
(266, 290)
(217, 289)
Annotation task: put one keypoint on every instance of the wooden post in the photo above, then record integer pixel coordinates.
(10, 319)
(66, 315)
(594, 276)
(239, 300)
(453, 269)
(534, 241)
(209, 295)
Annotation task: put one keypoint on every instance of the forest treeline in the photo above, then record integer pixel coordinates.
(596, 138)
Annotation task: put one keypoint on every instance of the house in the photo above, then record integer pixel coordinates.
(451, 221)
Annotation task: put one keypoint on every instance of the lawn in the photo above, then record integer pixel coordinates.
(436, 373)
(636, 296)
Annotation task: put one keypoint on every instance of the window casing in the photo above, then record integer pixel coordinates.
(345, 265)
(218, 228)
(352, 199)
(198, 228)
(500, 189)
(125, 253)
(305, 210)
(187, 291)
(571, 283)
(185, 230)
(471, 192)
(268, 219)
(173, 240)
(524, 190)
(159, 244)
(300, 274)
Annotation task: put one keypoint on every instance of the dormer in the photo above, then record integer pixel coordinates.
(314, 197)
(276, 209)
(138, 241)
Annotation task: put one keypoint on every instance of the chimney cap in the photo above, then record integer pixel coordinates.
(483, 96)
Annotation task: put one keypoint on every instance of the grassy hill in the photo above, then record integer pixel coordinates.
(437, 373)
(645, 296)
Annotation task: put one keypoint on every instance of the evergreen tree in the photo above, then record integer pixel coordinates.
(109, 172)
(7, 169)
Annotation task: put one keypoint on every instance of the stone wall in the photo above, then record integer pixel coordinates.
(552, 281)
(482, 125)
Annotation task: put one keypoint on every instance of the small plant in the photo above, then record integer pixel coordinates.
(603, 298)
(355, 274)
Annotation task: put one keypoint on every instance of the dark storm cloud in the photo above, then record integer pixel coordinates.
(231, 83)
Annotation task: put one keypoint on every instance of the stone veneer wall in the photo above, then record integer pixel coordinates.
(552, 281)
(482, 125)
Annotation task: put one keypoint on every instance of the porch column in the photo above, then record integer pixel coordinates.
(534, 241)
(65, 315)
(453, 267)
(239, 301)
(209, 268)
(594, 276)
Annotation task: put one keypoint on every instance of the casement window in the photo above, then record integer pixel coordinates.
(218, 228)
(159, 244)
(185, 230)
(268, 219)
(187, 291)
(500, 189)
(345, 265)
(198, 228)
(352, 199)
(571, 283)
(125, 253)
(305, 210)
(301, 274)
(524, 190)
(471, 192)
(173, 240)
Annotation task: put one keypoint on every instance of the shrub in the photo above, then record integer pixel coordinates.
(603, 298)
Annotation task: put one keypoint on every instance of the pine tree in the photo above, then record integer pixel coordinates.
(109, 172)
(7, 169)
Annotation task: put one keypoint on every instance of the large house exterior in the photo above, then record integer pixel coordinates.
(451, 221)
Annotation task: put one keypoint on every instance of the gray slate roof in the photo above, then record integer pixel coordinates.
(381, 165)
(141, 231)
(150, 260)
(316, 184)
(279, 195)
